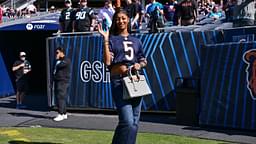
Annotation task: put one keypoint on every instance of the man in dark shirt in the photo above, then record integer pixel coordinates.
(61, 82)
(228, 8)
(169, 9)
(66, 17)
(155, 12)
(132, 9)
(187, 12)
(21, 68)
(84, 18)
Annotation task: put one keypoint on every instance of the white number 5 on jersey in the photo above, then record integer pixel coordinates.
(129, 52)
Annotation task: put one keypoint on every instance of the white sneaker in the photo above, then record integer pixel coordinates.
(65, 116)
(59, 118)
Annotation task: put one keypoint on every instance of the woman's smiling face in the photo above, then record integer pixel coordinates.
(122, 21)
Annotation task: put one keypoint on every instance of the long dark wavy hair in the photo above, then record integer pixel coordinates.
(114, 29)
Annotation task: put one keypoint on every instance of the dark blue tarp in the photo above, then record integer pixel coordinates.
(169, 55)
(6, 87)
(226, 98)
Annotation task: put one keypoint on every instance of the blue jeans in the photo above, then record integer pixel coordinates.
(128, 114)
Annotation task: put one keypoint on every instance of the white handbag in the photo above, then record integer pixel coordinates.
(135, 86)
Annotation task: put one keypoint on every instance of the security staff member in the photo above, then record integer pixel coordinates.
(61, 82)
(21, 68)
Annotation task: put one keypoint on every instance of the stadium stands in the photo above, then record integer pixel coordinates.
(47, 21)
(18, 4)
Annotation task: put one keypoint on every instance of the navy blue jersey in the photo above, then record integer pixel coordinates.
(126, 50)
(66, 19)
(83, 19)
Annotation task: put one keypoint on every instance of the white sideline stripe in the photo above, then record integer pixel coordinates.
(92, 115)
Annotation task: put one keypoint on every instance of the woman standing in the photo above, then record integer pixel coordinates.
(122, 51)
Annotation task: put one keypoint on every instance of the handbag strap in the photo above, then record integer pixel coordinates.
(130, 73)
(130, 77)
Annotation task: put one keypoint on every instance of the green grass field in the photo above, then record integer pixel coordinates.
(70, 136)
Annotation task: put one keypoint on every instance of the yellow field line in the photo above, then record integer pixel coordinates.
(14, 134)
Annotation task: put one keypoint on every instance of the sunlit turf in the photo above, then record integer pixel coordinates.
(73, 136)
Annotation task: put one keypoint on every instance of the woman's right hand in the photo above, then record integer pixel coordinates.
(105, 34)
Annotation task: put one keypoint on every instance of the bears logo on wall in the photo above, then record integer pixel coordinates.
(249, 58)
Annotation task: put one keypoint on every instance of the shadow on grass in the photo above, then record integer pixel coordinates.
(23, 142)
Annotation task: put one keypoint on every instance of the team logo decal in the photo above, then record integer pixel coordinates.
(29, 26)
(249, 57)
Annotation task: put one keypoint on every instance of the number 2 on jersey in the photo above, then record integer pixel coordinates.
(129, 52)
(67, 15)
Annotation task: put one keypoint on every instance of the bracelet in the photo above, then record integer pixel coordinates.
(106, 42)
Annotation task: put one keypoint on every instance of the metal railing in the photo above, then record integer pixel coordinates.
(22, 20)
(20, 4)
(96, 32)
(6, 19)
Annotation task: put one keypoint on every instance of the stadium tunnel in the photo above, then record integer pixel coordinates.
(34, 44)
